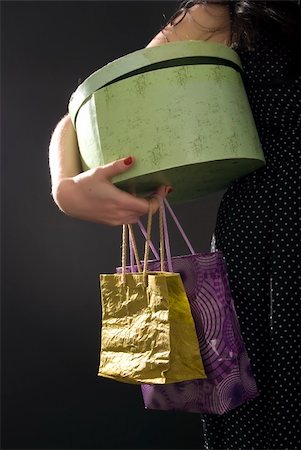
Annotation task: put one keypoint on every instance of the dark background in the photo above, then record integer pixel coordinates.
(51, 395)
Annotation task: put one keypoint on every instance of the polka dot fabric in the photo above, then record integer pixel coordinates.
(258, 230)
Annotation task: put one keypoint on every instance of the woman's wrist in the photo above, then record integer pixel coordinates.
(62, 190)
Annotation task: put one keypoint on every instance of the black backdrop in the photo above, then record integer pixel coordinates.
(51, 395)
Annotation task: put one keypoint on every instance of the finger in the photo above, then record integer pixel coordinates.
(142, 209)
(154, 204)
(128, 202)
(117, 167)
(158, 196)
(124, 217)
(163, 191)
(117, 221)
(132, 220)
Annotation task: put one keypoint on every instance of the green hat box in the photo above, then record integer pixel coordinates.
(180, 109)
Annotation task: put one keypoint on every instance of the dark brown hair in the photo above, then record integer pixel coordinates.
(247, 15)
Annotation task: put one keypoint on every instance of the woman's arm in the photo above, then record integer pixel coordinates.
(64, 161)
(90, 195)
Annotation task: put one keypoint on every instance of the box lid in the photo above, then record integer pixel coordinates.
(153, 58)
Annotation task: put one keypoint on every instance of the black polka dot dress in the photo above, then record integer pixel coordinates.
(258, 230)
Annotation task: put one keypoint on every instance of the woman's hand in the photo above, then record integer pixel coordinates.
(91, 196)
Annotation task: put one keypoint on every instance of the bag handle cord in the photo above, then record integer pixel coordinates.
(166, 239)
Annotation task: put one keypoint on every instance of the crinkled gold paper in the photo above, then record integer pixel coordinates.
(148, 334)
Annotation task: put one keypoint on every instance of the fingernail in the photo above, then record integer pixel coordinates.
(128, 161)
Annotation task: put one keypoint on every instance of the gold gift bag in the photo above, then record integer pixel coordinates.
(148, 333)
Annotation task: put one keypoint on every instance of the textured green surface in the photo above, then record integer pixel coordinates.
(143, 58)
(192, 181)
(188, 126)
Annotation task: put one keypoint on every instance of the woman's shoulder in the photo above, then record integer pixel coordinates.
(199, 22)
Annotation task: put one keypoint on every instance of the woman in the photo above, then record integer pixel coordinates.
(256, 226)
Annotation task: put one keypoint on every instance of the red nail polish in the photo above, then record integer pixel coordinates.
(128, 161)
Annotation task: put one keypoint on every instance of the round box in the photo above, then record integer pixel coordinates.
(180, 109)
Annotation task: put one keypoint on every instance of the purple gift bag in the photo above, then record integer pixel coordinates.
(230, 381)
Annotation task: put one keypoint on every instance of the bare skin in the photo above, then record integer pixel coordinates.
(91, 195)
(201, 22)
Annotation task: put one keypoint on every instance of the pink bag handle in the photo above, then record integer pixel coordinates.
(166, 235)
(182, 232)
